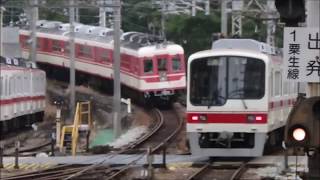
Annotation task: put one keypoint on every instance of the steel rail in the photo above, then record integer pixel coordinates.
(41, 174)
(160, 120)
(239, 172)
(38, 171)
(199, 172)
(173, 134)
(125, 167)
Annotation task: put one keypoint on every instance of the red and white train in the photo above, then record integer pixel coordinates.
(237, 101)
(22, 94)
(149, 67)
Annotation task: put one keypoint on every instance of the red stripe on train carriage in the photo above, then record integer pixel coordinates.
(252, 117)
(21, 99)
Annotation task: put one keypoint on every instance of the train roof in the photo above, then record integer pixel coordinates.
(17, 62)
(246, 44)
(131, 40)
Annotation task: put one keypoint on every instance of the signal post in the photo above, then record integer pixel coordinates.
(313, 20)
(302, 64)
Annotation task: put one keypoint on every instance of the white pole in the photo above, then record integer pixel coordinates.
(224, 18)
(58, 126)
(1, 29)
(313, 20)
(34, 19)
(102, 16)
(271, 25)
(193, 8)
(207, 7)
(72, 58)
(116, 71)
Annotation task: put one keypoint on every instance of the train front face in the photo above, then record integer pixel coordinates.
(163, 72)
(227, 103)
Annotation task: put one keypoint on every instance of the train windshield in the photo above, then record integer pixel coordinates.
(214, 80)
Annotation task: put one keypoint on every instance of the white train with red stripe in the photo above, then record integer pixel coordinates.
(237, 101)
(22, 94)
(149, 67)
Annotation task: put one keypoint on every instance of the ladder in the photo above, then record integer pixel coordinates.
(82, 122)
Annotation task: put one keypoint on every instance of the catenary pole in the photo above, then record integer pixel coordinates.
(72, 57)
(116, 70)
(224, 18)
(1, 24)
(193, 8)
(102, 15)
(34, 18)
(271, 25)
(163, 19)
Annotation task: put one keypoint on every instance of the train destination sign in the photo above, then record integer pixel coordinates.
(301, 54)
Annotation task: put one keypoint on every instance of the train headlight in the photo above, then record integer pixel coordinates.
(299, 134)
(201, 117)
(195, 118)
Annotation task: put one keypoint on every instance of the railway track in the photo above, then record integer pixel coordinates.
(218, 171)
(167, 126)
(225, 170)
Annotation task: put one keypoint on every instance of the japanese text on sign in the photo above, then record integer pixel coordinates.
(302, 54)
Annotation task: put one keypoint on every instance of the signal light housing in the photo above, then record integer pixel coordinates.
(303, 124)
(291, 11)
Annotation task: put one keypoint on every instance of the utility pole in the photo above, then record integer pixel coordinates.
(313, 14)
(271, 24)
(102, 15)
(1, 29)
(193, 8)
(77, 15)
(116, 70)
(207, 7)
(34, 18)
(224, 18)
(72, 57)
(163, 19)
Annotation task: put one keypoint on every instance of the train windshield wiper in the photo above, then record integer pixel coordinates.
(244, 103)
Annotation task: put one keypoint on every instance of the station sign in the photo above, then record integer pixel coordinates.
(301, 48)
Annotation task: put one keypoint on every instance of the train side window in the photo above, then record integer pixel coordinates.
(176, 63)
(2, 85)
(6, 90)
(148, 66)
(56, 46)
(278, 84)
(104, 55)
(285, 88)
(162, 64)
(271, 84)
(24, 41)
(16, 86)
(85, 51)
(39, 43)
(66, 48)
(11, 84)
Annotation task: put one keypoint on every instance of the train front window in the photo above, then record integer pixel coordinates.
(148, 66)
(176, 64)
(214, 80)
(162, 64)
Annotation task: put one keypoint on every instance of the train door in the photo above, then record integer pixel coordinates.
(162, 67)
